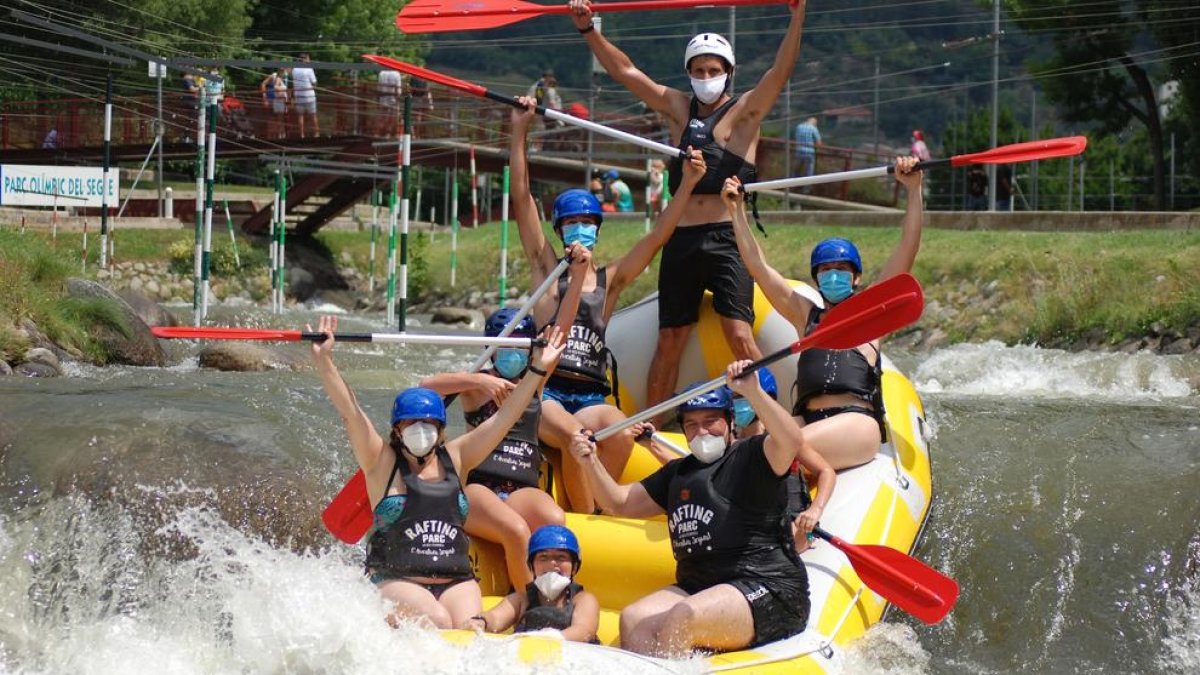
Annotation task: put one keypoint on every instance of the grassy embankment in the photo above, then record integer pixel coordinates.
(1048, 288)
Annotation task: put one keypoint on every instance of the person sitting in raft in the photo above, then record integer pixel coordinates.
(552, 601)
(575, 396)
(745, 420)
(838, 400)
(502, 492)
(708, 116)
(738, 580)
(417, 554)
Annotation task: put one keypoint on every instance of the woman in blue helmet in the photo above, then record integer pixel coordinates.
(506, 502)
(575, 396)
(738, 580)
(552, 601)
(417, 554)
(621, 193)
(838, 397)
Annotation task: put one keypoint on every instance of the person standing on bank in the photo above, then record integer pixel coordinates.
(417, 553)
(838, 396)
(738, 579)
(576, 396)
(725, 128)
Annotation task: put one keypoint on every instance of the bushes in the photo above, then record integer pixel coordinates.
(222, 262)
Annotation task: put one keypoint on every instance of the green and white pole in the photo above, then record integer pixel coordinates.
(237, 259)
(199, 251)
(281, 246)
(374, 239)
(391, 261)
(666, 193)
(405, 187)
(648, 168)
(209, 181)
(105, 172)
(274, 243)
(453, 229)
(503, 240)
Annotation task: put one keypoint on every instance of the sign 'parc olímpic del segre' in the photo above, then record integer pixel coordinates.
(31, 185)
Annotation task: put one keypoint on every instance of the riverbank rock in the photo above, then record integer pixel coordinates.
(458, 316)
(247, 357)
(5, 369)
(36, 369)
(136, 346)
(147, 308)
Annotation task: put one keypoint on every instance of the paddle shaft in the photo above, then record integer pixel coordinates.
(856, 174)
(523, 312)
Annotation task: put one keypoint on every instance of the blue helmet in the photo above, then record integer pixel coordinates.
(501, 318)
(576, 202)
(765, 380)
(612, 174)
(419, 403)
(835, 250)
(717, 399)
(554, 536)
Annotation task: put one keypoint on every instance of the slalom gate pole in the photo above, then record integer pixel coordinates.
(474, 191)
(274, 242)
(281, 269)
(237, 259)
(503, 239)
(405, 186)
(209, 180)
(453, 229)
(199, 250)
(374, 239)
(107, 162)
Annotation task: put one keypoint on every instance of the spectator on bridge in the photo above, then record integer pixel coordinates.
(191, 91)
(545, 92)
(214, 87)
(919, 149)
(274, 90)
(388, 88)
(50, 142)
(807, 139)
(304, 84)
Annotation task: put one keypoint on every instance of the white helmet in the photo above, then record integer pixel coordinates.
(708, 43)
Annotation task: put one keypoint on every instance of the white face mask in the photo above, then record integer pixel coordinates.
(707, 448)
(709, 90)
(419, 438)
(552, 584)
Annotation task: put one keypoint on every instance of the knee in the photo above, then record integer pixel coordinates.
(515, 532)
(441, 617)
(555, 516)
(679, 618)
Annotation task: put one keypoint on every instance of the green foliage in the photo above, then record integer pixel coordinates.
(222, 262)
(418, 265)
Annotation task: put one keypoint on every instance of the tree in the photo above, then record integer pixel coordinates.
(334, 30)
(1104, 69)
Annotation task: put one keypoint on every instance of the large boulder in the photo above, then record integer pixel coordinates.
(458, 316)
(136, 345)
(247, 357)
(36, 369)
(301, 284)
(147, 308)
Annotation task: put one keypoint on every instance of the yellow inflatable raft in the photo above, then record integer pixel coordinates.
(883, 502)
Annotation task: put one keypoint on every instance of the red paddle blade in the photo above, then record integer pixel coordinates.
(426, 74)
(1049, 148)
(348, 516)
(905, 581)
(869, 315)
(219, 333)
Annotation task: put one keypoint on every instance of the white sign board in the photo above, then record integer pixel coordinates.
(31, 185)
(157, 69)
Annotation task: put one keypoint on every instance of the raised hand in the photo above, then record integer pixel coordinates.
(523, 117)
(546, 357)
(694, 167)
(743, 386)
(731, 193)
(581, 258)
(581, 13)
(495, 388)
(324, 349)
(905, 174)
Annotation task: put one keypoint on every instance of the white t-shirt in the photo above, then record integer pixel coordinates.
(389, 83)
(304, 82)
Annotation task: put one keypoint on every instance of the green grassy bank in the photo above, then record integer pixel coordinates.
(1049, 288)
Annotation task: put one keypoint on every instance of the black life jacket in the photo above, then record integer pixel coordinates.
(538, 616)
(428, 539)
(838, 371)
(721, 163)
(517, 458)
(586, 356)
(716, 539)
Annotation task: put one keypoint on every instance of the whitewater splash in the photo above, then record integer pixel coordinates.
(993, 369)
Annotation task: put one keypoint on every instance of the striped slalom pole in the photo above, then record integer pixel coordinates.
(237, 259)
(393, 217)
(666, 193)
(54, 218)
(474, 191)
(648, 168)
(104, 172)
(83, 258)
(210, 173)
(374, 239)
(405, 187)
(281, 232)
(199, 251)
(504, 239)
(274, 244)
(453, 229)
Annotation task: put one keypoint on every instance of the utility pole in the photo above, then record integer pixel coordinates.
(875, 108)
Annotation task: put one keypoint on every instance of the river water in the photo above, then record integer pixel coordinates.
(166, 520)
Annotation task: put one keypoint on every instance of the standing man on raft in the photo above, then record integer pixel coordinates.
(702, 253)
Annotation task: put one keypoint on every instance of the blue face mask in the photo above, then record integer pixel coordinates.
(510, 362)
(743, 413)
(835, 285)
(583, 234)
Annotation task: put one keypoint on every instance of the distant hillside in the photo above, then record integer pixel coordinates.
(836, 69)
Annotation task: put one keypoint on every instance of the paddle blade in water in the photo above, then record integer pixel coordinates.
(1029, 151)
(348, 516)
(882, 308)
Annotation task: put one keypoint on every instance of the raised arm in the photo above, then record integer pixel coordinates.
(783, 434)
(758, 101)
(793, 306)
(662, 99)
(364, 440)
(581, 260)
(473, 386)
(473, 447)
(905, 254)
(537, 250)
(629, 501)
(629, 266)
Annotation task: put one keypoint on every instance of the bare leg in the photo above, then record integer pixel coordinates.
(316, 125)
(844, 440)
(462, 601)
(739, 335)
(664, 368)
(716, 618)
(642, 620)
(491, 519)
(556, 429)
(414, 601)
